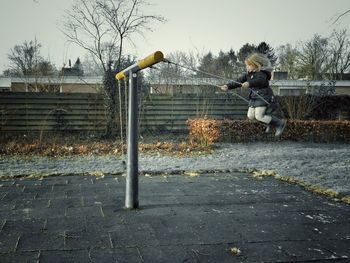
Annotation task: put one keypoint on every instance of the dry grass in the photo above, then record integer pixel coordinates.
(75, 145)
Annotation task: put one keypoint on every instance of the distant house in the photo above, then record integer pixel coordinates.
(171, 86)
(298, 87)
(62, 84)
(76, 70)
(281, 87)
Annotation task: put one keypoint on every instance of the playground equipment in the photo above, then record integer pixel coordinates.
(131, 193)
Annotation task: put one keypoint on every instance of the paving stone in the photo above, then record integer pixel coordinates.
(62, 189)
(257, 232)
(212, 253)
(36, 188)
(104, 198)
(120, 255)
(158, 200)
(147, 213)
(31, 204)
(8, 242)
(100, 188)
(95, 210)
(176, 231)
(340, 248)
(62, 202)
(68, 223)
(141, 234)
(160, 254)
(113, 209)
(7, 182)
(83, 239)
(41, 241)
(5, 213)
(66, 256)
(16, 257)
(105, 224)
(18, 195)
(23, 226)
(38, 213)
(260, 252)
(54, 180)
(331, 231)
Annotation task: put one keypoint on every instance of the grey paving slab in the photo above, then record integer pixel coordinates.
(16, 257)
(65, 223)
(180, 219)
(159, 254)
(122, 255)
(138, 235)
(37, 241)
(8, 242)
(66, 256)
(23, 226)
(74, 240)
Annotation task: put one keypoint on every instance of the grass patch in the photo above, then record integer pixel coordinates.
(316, 189)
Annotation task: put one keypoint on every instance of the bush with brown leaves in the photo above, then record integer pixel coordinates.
(206, 131)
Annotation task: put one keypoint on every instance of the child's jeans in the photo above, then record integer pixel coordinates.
(258, 113)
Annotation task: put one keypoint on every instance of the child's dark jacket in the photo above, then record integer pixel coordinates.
(259, 83)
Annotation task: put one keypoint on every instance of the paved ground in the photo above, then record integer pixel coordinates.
(181, 219)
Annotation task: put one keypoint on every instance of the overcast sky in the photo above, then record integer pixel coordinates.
(192, 25)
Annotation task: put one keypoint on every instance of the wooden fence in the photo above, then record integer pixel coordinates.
(45, 111)
(27, 112)
(170, 113)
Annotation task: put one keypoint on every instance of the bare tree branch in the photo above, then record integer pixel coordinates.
(340, 16)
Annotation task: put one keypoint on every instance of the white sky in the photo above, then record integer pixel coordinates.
(192, 25)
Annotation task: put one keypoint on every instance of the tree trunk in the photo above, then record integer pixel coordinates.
(110, 88)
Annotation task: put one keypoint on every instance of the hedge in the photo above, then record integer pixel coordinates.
(209, 131)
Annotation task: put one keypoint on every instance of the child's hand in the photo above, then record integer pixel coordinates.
(245, 85)
(224, 88)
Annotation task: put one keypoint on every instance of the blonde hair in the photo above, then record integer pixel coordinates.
(258, 60)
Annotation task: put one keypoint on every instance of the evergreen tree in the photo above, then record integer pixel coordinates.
(245, 51)
(265, 48)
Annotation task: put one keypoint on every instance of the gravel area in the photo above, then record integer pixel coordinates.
(326, 165)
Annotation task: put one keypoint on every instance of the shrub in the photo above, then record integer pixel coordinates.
(206, 131)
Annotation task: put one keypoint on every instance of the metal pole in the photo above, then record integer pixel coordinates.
(132, 180)
(132, 167)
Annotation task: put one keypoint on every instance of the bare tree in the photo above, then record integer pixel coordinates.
(287, 60)
(25, 60)
(126, 18)
(178, 68)
(86, 26)
(101, 27)
(313, 58)
(340, 53)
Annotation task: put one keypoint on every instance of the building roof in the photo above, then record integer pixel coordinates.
(51, 80)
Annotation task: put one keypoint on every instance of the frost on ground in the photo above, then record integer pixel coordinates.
(325, 165)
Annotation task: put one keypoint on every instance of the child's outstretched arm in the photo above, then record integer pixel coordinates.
(235, 84)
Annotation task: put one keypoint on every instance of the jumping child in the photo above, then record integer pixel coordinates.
(260, 95)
